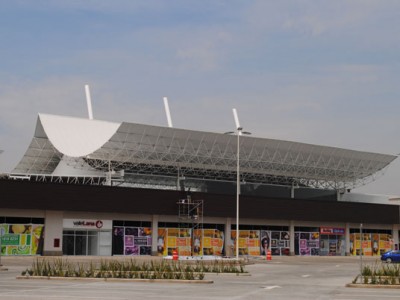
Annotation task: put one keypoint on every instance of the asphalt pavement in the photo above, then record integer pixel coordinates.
(282, 278)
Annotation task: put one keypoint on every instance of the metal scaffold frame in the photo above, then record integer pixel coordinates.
(190, 216)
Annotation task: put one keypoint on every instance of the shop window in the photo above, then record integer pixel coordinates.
(371, 244)
(307, 242)
(82, 242)
(332, 245)
(127, 240)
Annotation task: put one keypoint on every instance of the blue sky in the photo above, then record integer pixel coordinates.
(320, 72)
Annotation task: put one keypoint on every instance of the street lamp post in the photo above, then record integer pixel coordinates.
(239, 132)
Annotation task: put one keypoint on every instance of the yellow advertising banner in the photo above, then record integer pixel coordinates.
(171, 242)
(206, 242)
(203, 242)
(373, 244)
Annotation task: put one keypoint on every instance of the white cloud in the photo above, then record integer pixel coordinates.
(202, 51)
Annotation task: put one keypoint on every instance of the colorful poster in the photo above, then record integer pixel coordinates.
(199, 241)
(187, 243)
(20, 239)
(249, 242)
(170, 239)
(162, 242)
(270, 241)
(37, 238)
(308, 243)
(373, 244)
(280, 243)
(129, 240)
(265, 243)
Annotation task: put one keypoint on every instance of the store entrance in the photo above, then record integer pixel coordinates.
(332, 245)
(86, 242)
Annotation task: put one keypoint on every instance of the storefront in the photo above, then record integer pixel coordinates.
(131, 238)
(208, 240)
(307, 241)
(332, 241)
(258, 239)
(372, 242)
(87, 237)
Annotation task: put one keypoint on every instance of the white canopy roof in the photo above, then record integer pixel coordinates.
(146, 149)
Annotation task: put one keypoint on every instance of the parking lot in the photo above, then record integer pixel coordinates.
(281, 278)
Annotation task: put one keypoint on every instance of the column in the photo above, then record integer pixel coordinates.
(291, 235)
(227, 243)
(154, 235)
(53, 233)
(395, 236)
(347, 239)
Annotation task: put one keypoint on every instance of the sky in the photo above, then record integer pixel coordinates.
(319, 72)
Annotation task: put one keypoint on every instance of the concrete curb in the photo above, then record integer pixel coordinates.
(228, 274)
(373, 286)
(117, 279)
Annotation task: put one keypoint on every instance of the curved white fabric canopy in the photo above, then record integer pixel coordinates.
(76, 137)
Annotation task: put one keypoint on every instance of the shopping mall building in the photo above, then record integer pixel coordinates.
(91, 187)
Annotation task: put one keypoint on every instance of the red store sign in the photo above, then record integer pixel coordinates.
(332, 231)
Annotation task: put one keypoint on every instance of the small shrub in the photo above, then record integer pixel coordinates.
(355, 279)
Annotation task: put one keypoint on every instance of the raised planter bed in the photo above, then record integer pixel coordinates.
(378, 275)
(153, 271)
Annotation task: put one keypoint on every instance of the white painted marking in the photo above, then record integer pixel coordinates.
(272, 287)
(305, 276)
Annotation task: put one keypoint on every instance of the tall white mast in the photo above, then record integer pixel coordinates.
(235, 116)
(167, 112)
(89, 102)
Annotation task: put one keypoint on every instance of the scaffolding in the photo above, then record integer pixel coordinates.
(190, 215)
